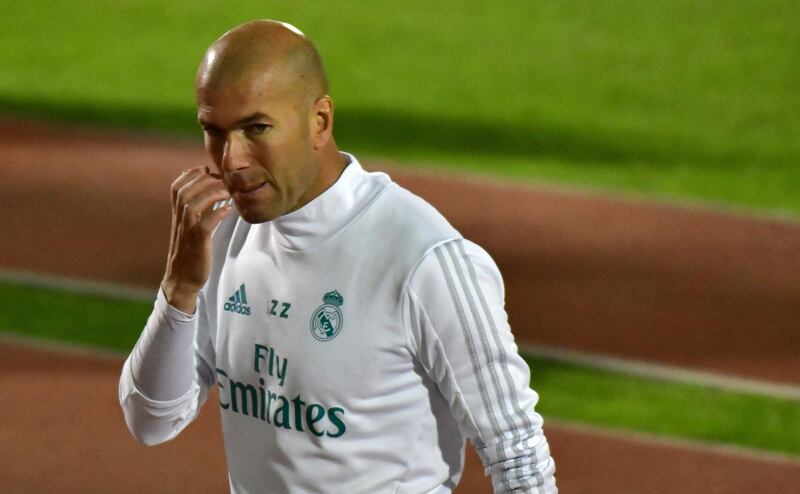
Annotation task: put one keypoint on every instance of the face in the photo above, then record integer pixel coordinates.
(258, 135)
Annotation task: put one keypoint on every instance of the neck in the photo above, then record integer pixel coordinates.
(332, 164)
(329, 212)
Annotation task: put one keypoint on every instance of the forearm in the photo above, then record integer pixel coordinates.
(160, 390)
(162, 362)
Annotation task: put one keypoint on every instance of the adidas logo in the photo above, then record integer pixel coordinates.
(237, 303)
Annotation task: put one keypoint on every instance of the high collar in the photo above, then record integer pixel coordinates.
(330, 211)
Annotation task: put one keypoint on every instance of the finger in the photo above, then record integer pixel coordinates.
(205, 202)
(187, 175)
(177, 232)
(177, 217)
(203, 193)
(201, 205)
(176, 185)
(213, 173)
(179, 182)
(213, 219)
(183, 179)
(199, 185)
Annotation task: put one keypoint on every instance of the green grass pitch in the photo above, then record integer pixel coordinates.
(665, 98)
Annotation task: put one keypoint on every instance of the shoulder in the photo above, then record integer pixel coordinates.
(456, 284)
(408, 213)
(454, 264)
(395, 231)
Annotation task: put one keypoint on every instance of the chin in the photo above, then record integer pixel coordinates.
(255, 219)
(255, 216)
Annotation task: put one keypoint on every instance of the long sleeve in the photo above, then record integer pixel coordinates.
(458, 329)
(164, 381)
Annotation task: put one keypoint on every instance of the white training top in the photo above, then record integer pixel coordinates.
(356, 342)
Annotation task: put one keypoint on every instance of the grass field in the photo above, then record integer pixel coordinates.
(664, 98)
(570, 392)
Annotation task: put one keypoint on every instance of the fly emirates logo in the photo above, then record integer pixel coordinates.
(260, 402)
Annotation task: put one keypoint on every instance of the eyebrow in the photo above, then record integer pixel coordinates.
(242, 121)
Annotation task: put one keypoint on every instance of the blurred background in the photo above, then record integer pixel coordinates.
(632, 167)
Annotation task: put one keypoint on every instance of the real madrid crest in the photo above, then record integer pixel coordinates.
(327, 320)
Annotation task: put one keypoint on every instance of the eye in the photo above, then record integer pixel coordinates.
(257, 129)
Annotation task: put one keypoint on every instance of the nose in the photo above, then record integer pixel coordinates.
(235, 155)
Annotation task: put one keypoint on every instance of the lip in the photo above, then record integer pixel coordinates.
(248, 192)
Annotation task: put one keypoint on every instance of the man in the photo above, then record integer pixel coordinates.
(356, 338)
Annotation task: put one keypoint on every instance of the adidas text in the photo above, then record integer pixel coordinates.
(237, 303)
(238, 308)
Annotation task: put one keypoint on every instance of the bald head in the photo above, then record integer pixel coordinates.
(267, 119)
(264, 53)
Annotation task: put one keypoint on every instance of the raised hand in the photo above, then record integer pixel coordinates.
(194, 193)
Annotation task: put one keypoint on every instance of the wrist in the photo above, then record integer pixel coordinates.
(180, 297)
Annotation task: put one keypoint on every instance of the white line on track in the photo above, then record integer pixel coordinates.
(73, 285)
(21, 340)
(592, 360)
(663, 371)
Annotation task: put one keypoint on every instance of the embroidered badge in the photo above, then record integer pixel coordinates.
(327, 320)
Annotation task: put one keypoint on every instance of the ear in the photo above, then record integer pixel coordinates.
(322, 122)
